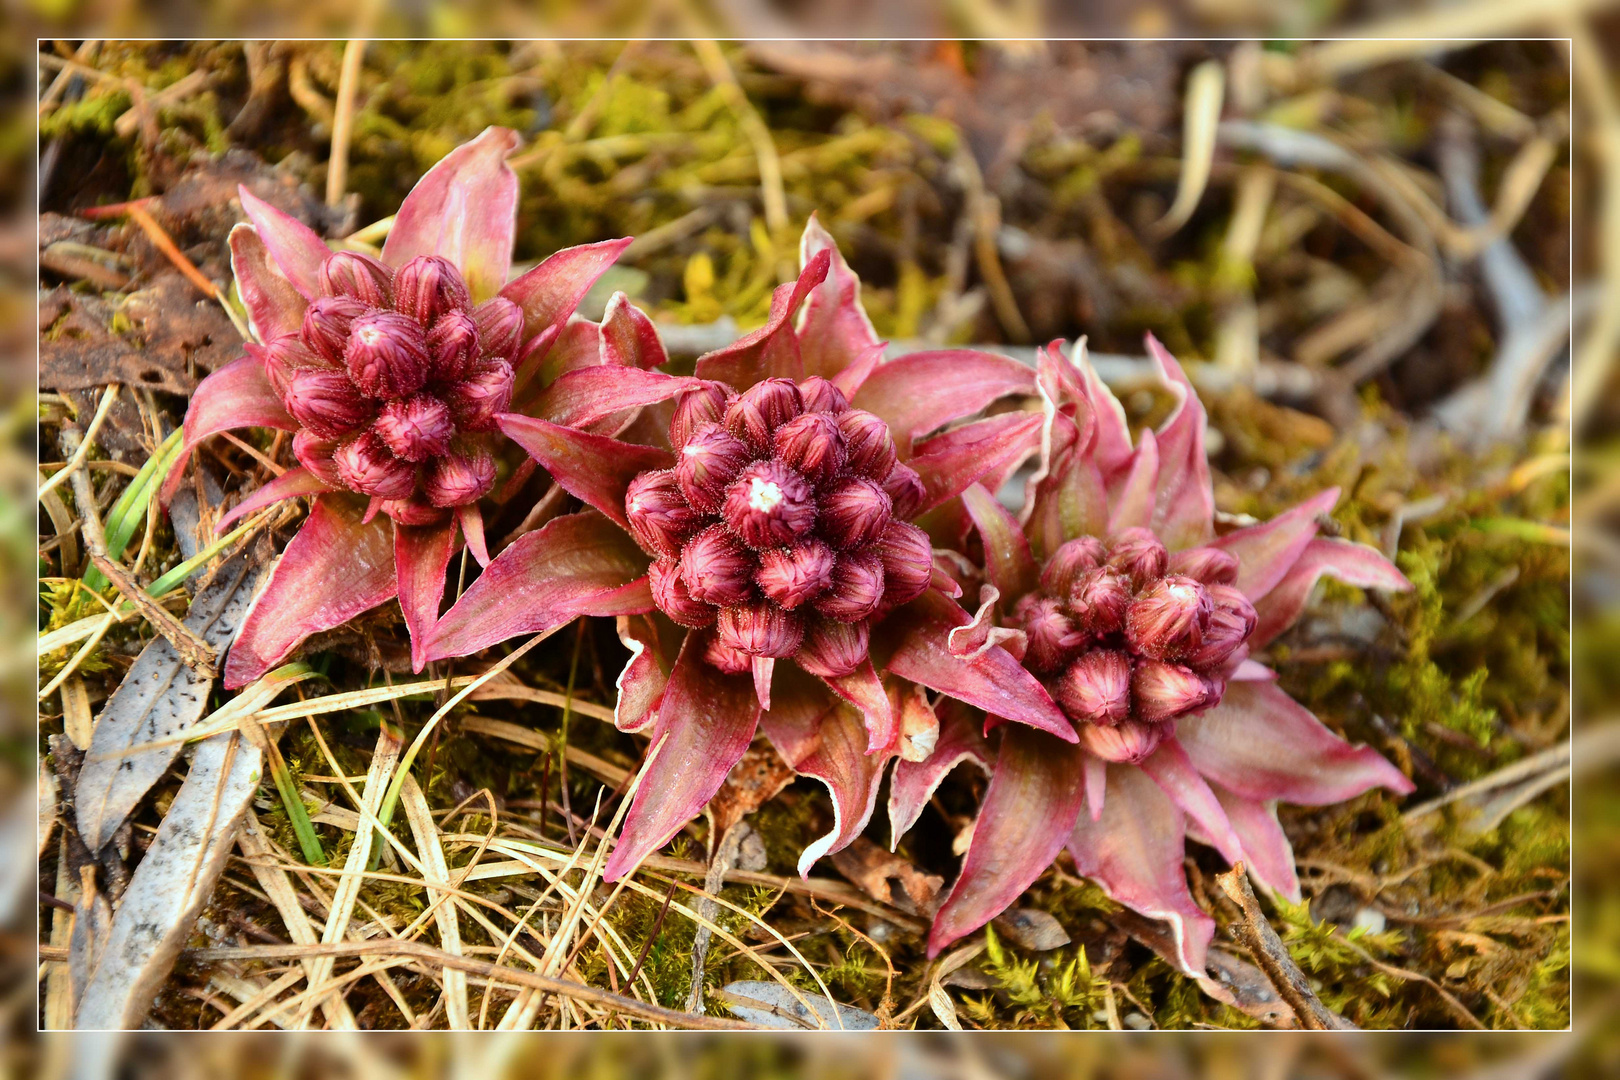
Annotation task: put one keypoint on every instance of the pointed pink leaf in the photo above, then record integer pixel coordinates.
(1252, 671)
(570, 345)
(826, 741)
(1185, 506)
(1133, 502)
(914, 782)
(772, 351)
(591, 467)
(542, 581)
(1112, 448)
(1008, 562)
(465, 209)
(1262, 744)
(833, 328)
(237, 395)
(1096, 785)
(994, 682)
(1266, 552)
(1353, 564)
(1266, 850)
(1029, 810)
(863, 689)
(550, 292)
(974, 638)
(922, 392)
(422, 553)
(948, 463)
(587, 395)
(641, 684)
(1135, 852)
(852, 378)
(705, 722)
(334, 569)
(295, 247)
(763, 668)
(1172, 770)
(274, 306)
(289, 485)
(629, 338)
(633, 599)
(472, 527)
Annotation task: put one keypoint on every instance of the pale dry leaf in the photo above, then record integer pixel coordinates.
(1031, 929)
(770, 1005)
(871, 868)
(45, 799)
(428, 848)
(76, 718)
(944, 1008)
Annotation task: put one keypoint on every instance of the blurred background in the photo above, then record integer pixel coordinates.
(1375, 262)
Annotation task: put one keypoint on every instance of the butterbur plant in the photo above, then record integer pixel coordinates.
(1140, 620)
(390, 373)
(780, 582)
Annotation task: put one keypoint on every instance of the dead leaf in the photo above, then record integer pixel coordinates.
(1031, 929)
(944, 1008)
(771, 1005)
(756, 780)
(871, 867)
(76, 719)
(46, 799)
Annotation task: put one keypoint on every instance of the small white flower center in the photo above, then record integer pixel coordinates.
(763, 495)
(371, 335)
(1183, 592)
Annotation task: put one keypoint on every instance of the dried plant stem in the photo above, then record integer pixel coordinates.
(1267, 948)
(772, 192)
(337, 168)
(82, 443)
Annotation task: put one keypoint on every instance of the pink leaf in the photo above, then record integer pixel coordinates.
(568, 346)
(833, 328)
(289, 485)
(762, 668)
(1353, 564)
(948, 463)
(1112, 447)
(772, 351)
(705, 722)
(275, 307)
(237, 395)
(974, 638)
(1134, 851)
(863, 689)
(1266, 552)
(1262, 744)
(826, 741)
(1266, 850)
(464, 209)
(994, 681)
(629, 338)
(422, 553)
(852, 378)
(1173, 771)
(472, 527)
(334, 569)
(922, 392)
(1252, 671)
(1008, 562)
(587, 395)
(1029, 810)
(1185, 507)
(295, 247)
(591, 467)
(542, 581)
(914, 782)
(550, 292)
(1133, 502)
(641, 684)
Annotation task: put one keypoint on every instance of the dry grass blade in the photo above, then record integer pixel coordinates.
(426, 833)
(1206, 89)
(86, 441)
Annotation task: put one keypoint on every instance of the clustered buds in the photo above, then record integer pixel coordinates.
(782, 524)
(393, 378)
(1128, 638)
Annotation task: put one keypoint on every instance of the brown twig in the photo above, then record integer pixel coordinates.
(337, 167)
(1267, 948)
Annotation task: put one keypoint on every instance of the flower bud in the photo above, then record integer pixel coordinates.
(674, 598)
(484, 394)
(315, 454)
(707, 464)
(1166, 620)
(868, 443)
(659, 515)
(1129, 743)
(1069, 561)
(905, 490)
(327, 322)
(700, 405)
(717, 568)
(500, 326)
(414, 511)
(452, 346)
(1163, 691)
(812, 446)
(326, 402)
(769, 505)
(822, 396)
(459, 478)
(833, 648)
(793, 575)
(1099, 600)
(723, 656)
(1212, 566)
(427, 287)
(854, 512)
(1139, 554)
(285, 355)
(1054, 639)
(908, 562)
(415, 428)
(367, 466)
(760, 629)
(352, 274)
(755, 414)
(856, 589)
(1096, 688)
(387, 355)
(1230, 623)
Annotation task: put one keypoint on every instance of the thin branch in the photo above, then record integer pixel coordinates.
(1267, 948)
